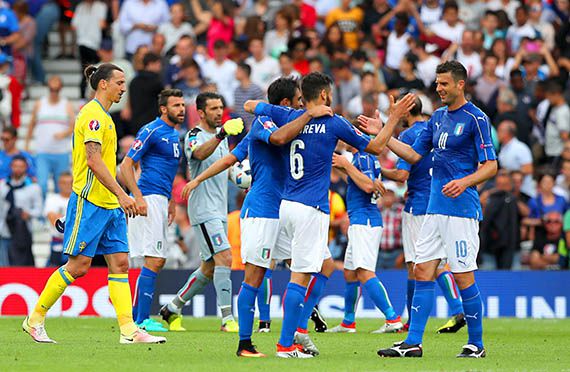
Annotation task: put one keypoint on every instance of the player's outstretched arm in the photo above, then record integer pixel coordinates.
(287, 132)
(456, 187)
(218, 167)
(99, 169)
(360, 179)
(398, 109)
(128, 175)
(398, 175)
(250, 104)
(231, 127)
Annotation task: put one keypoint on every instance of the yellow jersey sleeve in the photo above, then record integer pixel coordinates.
(92, 129)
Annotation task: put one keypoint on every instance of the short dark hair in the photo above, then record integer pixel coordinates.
(457, 70)
(189, 62)
(369, 98)
(285, 54)
(95, 74)
(149, 58)
(13, 131)
(166, 93)
(280, 89)
(418, 106)
(554, 86)
(203, 98)
(313, 83)
(218, 44)
(339, 64)
(245, 68)
(19, 157)
(65, 174)
(450, 4)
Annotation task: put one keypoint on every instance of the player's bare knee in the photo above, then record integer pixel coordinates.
(223, 258)
(328, 267)
(254, 275)
(424, 271)
(411, 274)
(207, 268)
(350, 275)
(78, 266)
(464, 280)
(154, 264)
(364, 275)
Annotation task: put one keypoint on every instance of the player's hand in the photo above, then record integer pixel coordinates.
(454, 188)
(379, 188)
(190, 186)
(128, 205)
(339, 161)
(403, 106)
(171, 211)
(370, 125)
(233, 126)
(320, 110)
(142, 208)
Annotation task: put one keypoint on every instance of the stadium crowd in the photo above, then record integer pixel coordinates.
(517, 54)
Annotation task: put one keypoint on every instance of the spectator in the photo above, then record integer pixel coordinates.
(298, 48)
(139, 20)
(222, 71)
(64, 29)
(9, 139)
(176, 28)
(521, 29)
(397, 44)
(450, 27)
(275, 41)
(466, 54)
(54, 209)
(10, 30)
(286, 66)
(546, 201)
(407, 78)
(471, 12)
(20, 201)
(490, 28)
(530, 63)
(369, 85)
(89, 19)
(337, 214)
(307, 14)
(349, 18)
(347, 85)
(189, 81)
(515, 155)
(562, 187)
(7, 100)
(488, 83)
(51, 125)
(47, 16)
(391, 243)
(430, 12)
(23, 48)
(245, 91)
(217, 23)
(427, 62)
(506, 110)
(183, 51)
(543, 28)
(557, 122)
(504, 61)
(548, 242)
(264, 69)
(144, 89)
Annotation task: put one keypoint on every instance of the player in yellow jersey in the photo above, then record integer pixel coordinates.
(96, 222)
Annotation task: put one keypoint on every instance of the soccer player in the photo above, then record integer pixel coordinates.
(208, 210)
(364, 235)
(96, 222)
(418, 179)
(460, 136)
(260, 213)
(157, 148)
(303, 213)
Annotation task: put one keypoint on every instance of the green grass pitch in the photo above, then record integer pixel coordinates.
(91, 344)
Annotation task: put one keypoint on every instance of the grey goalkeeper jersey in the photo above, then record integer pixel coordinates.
(210, 199)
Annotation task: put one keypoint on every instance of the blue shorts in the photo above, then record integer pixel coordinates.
(91, 230)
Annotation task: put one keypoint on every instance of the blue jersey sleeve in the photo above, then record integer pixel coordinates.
(279, 114)
(262, 128)
(408, 138)
(348, 133)
(482, 138)
(142, 143)
(423, 143)
(241, 150)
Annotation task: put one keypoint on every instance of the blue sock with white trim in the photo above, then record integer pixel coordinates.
(421, 309)
(379, 296)
(145, 293)
(351, 295)
(312, 297)
(264, 297)
(409, 297)
(473, 306)
(292, 309)
(246, 310)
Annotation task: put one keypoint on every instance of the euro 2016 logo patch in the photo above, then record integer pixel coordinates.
(459, 129)
(137, 145)
(268, 124)
(217, 239)
(94, 125)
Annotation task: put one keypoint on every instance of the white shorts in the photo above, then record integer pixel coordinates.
(147, 234)
(308, 230)
(411, 226)
(258, 237)
(454, 240)
(362, 248)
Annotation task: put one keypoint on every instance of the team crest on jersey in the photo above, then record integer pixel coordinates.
(459, 129)
(82, 246)
(268, 124)
(94, 125)
(137, 145)
(217, 239)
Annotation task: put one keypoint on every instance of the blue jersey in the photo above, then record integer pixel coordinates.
(419, 180)
(309, 155)
(361, 206)
(460, 139)
(267, 170)
(157, 147)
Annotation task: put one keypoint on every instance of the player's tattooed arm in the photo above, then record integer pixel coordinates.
(287, 132)
(100, 170)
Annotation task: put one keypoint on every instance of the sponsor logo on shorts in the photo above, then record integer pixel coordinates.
(217, 239)
(82, 246)
(94, 125)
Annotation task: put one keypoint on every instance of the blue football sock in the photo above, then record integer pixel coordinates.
(246, 310)
(292, 309)
(421, 308)
(145, 294)
(449, 288)
(473, 307)
(379, 296)
(312, 297)
(351, 296)
(410, 297)
(264, 297)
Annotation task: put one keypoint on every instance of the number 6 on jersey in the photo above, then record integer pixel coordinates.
(296, 160)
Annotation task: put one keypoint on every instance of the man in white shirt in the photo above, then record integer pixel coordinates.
(515, 155)
(557, 128)
(264, 69)
(467, 55)
(397, 45)
(520, 29)
(450, 27)
(139, 20)
(222, 72)
(427, 62)
(55, 208)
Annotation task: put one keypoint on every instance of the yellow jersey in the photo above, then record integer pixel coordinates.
(94, 124)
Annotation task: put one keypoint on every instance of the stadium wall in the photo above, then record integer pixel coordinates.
(521, 294)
